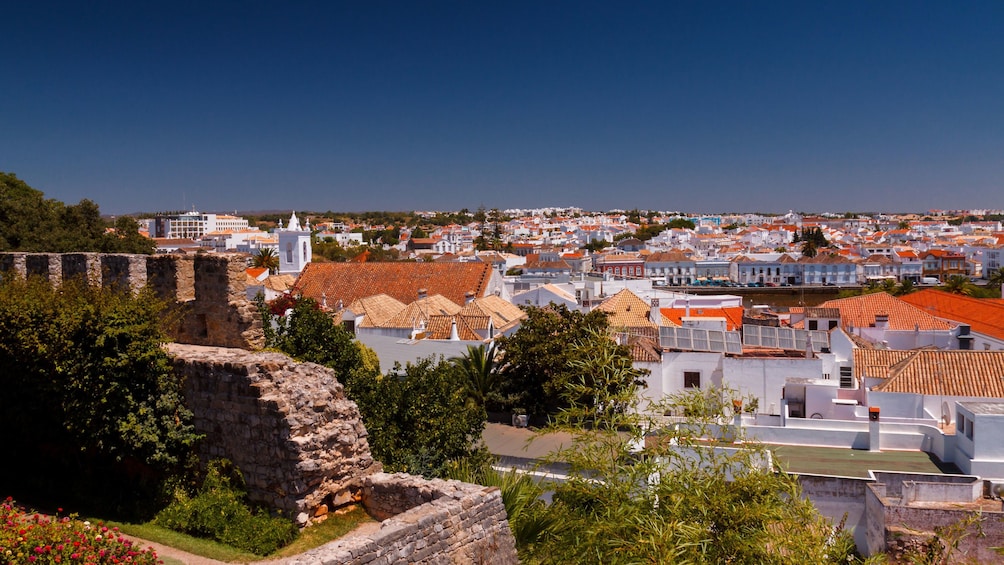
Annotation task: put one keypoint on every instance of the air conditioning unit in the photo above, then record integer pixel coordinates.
(520, 420)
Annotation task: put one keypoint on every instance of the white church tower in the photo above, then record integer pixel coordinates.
(294, 246)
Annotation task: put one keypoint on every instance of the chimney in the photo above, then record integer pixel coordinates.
(454, 335)
(422, 293)
(468, 297)
(654, 315)
(882, 320)
(688, 307)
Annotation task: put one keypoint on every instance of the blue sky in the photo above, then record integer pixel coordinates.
(698, 106)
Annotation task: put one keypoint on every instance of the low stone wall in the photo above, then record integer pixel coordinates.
(288, 426)
(429, 521)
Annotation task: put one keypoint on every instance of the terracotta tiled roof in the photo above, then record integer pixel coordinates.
(733, 316)
(279, 283)
(626, 310)
(983, 316)
(378, 309)
(877, 362)
(949, 373)
(668, 256)
(644, 345)
(504, 314)
(441, 327)
(400, 280)
(859, 312)
(420, 311)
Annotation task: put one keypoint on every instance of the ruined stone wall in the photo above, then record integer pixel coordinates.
(207, 291)
(288, 426)
(434, 522)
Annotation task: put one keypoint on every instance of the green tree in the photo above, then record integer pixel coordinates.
(310, 334)
(30, 222)
(90, 397)
(539, 359)
(682, 223)
(995, 278)
(266, 258)
(480, 370)
(419, 417)
(678, 499)
(958, 284)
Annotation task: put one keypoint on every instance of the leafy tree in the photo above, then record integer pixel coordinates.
(89, 394)
(310, 334)
(419, 419)
(596, 245)
(682, 223)
(678, 500)
(539, 360)
(30, 222)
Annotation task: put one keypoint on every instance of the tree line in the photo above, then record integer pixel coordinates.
(32, 223)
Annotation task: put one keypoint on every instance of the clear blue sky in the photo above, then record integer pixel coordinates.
(369, 105)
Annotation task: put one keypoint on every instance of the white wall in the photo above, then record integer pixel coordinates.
(764, 378)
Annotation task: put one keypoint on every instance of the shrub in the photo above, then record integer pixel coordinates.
(219, 511)
(33, 538)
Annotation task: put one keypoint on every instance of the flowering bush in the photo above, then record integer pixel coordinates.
(27, 537)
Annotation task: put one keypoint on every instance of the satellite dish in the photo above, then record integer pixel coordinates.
(997, 489)
(946, 414)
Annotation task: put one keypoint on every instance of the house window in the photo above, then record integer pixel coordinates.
(691, 379)
(833, 324)
(813, 325)
(961, 423)
(971, 429)
(846, 377)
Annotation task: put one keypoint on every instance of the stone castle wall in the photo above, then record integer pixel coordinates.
(288, 426)
(434, 522)
(298, 441)
(207, 291)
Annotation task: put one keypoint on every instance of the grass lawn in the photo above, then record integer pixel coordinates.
(336, 526)
(855, 462)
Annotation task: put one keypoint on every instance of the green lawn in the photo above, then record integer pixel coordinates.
(856, 463)
(334, 527)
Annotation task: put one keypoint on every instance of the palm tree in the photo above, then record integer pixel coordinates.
(958, 284)
(266, 258)
(481, 371)
(996, 278)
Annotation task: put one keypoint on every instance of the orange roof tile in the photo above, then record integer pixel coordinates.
(948, 373)
(985, 316)
(400, 280)
(626, 310)
(441, 327)
(733, 316)
(859, 312)
(377, 309)
(505, 315)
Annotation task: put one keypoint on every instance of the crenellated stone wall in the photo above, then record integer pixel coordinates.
(298, 441)
(207, 291)
(288, 426)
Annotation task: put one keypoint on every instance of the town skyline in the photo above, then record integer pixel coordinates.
(397, 106)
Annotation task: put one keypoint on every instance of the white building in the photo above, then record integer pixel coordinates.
(294, 246)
